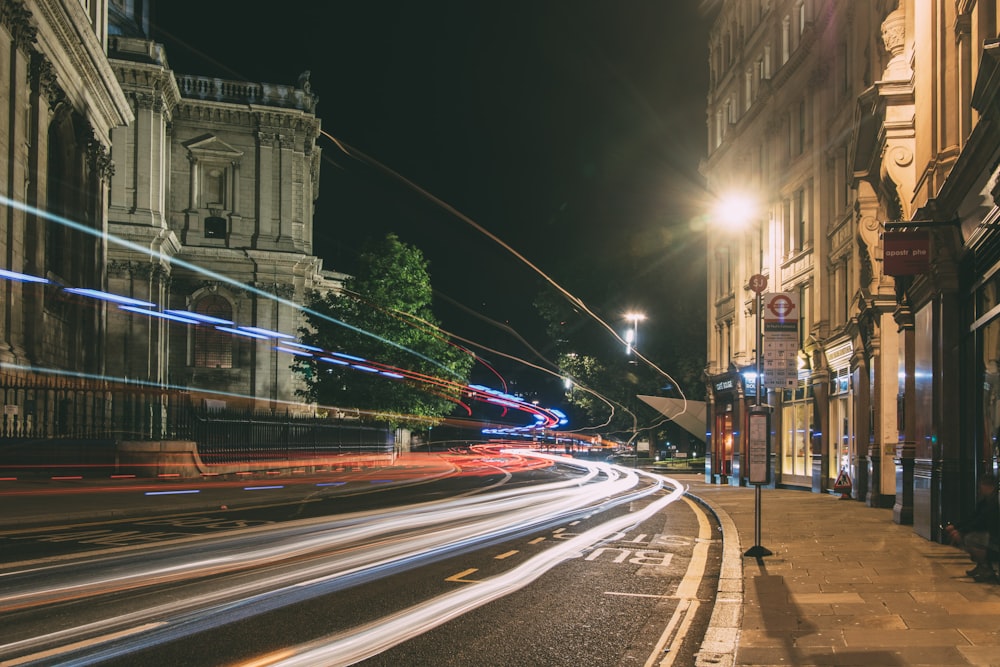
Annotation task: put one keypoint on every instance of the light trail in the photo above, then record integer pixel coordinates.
(355, 645)
(356, 154)
(302, 560)
(135, 306)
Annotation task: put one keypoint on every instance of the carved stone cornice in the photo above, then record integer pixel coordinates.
(80, 59)
(99, 159)
(282, 290)
(143, 270)
(148, 85)
(190, 287)
(18, 21)
(44, 80)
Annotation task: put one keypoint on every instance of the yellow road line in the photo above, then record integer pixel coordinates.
(460, 577)
(24, 659)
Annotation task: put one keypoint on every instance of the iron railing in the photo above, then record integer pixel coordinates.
(234, 436)
(58, 419)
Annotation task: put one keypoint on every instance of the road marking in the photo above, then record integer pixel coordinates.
(460, 577)
(537, 540)
(269, 659)
(638, 595)
(24, 659)
(687, 591)
(505, 555)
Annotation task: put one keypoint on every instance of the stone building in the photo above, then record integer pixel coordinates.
(202, 192)
(847, 122)
(61, 104)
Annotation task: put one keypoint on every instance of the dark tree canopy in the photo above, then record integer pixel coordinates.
(387, 306)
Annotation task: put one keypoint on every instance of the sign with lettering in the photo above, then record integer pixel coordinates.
(906, 253)
(781, 340)
(724, 385)
(759, 447)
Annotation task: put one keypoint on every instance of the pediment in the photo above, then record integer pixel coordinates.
(210, 146)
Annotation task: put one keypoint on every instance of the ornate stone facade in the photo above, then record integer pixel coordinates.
(121, 175)
(900, 134)
(63, 101)
(219, 181)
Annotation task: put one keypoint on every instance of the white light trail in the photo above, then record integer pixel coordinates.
(305, 559)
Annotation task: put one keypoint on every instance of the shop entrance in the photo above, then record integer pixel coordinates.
(722, 446)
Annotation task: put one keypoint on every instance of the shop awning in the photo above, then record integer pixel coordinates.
(691, 420)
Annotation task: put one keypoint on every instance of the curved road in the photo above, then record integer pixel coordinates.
(395, 585)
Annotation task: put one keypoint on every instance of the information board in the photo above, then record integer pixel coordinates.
(759, 448)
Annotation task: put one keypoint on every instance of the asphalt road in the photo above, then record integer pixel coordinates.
(640, 595)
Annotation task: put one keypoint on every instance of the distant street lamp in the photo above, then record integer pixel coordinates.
(738, 211)
(632, 335)
(631, 339)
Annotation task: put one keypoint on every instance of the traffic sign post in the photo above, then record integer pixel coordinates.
(776, 311)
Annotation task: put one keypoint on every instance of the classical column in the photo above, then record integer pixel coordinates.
(862, 421)
(902, 510)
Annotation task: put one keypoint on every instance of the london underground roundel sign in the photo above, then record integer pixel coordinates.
(781, 306)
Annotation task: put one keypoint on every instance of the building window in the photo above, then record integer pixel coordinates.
(786, 222)
(841, 418)
(749, 89)
(213, 348)
(215, 227)
(796, 437)
(800, 214)
(805, 306)
(802, 128)
(786, 27)
(213, 191)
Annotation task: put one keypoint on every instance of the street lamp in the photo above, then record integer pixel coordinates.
(738, 210)
(632, 335)
(631, 338)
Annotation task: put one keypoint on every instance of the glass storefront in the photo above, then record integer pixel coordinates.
(797, 430)
(723, 455)
(986, 306)
(990, 373)
(841, 431)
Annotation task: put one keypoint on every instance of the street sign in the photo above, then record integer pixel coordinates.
(758, 283)
(781, 340)
(759, 448)
(906, 253)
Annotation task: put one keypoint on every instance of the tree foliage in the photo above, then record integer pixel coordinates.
(387, 306)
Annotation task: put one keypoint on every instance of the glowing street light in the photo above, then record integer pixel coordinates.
(632, 335)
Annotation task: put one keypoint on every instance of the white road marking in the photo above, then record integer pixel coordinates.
(687, 592)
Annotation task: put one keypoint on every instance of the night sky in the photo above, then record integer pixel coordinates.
(571, 130)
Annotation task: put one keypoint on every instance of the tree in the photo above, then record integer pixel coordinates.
(387, 307)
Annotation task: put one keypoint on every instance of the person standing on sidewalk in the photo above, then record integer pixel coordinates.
(979, 534)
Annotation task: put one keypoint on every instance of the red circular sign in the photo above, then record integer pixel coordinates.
(781, 306)
(758, 283)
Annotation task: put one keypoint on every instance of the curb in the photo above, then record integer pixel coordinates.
(718, 648)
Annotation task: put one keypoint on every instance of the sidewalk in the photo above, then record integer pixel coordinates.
(844, 586)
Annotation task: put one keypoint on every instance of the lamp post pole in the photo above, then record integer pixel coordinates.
(759, 449)
(631, 337)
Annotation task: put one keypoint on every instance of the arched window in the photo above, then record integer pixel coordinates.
(213, 349)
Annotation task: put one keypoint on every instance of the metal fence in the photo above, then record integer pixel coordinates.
(60, 420)
(234, 436)
(46, 407)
